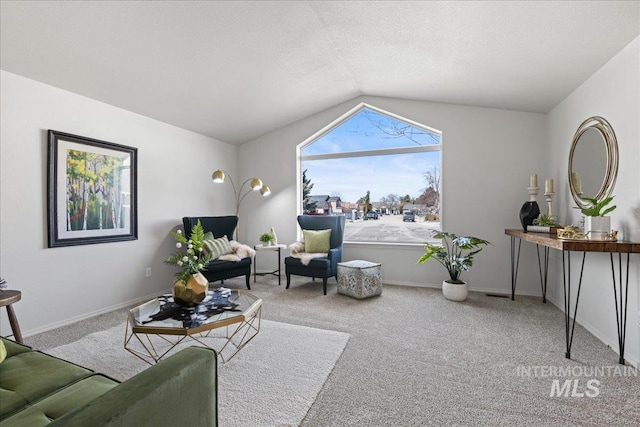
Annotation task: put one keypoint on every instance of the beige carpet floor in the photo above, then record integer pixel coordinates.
(282, 360)
(416, 359)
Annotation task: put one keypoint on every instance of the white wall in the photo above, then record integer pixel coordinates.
(62, 284)
(613, 93)
(488, 155)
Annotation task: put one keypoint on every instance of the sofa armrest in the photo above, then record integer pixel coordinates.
(180, 390)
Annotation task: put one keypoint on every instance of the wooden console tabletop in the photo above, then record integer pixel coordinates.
(552, 241)
(566, 247)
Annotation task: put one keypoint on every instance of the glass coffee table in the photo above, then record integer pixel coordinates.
(225, 323)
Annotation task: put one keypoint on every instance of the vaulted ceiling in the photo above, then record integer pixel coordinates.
(237, 70)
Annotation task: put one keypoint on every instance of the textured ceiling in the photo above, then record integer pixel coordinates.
(237, 70)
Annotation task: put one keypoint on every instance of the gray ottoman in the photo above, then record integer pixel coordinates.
(359, 279)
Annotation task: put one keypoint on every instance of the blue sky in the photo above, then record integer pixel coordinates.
(381, 175)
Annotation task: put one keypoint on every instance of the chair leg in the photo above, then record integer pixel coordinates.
(247, 277)
(288, 280)
(324, 285)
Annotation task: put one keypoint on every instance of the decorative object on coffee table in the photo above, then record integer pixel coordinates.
(530, 210)
(191, 287)
(359, 279)
(192, 292)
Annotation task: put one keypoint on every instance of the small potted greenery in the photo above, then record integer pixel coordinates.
(546, 221)
(545, 224)
(266, 239)
(597, 225)
(456, 255)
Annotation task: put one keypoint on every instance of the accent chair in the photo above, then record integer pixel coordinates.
(323, 267)
(220, 226)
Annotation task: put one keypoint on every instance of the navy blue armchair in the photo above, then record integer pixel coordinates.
(319, 267)
(220, 226)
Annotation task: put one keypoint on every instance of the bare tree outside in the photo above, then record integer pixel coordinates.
(392, 128)
(431, 194)
(390, 199)
(374, 161)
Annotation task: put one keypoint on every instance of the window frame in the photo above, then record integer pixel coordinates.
(364, 153)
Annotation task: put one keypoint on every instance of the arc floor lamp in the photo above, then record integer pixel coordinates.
(255, 184)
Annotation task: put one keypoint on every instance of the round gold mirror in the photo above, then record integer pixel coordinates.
(593, 161)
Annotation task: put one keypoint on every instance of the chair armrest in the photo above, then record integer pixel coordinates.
(180, 390)
(335, 255)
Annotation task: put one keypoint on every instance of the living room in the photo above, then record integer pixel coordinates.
(489, 153)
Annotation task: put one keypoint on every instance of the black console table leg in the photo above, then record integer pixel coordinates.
(621, 305)
(570, 324)
(515, 261)
(543, 277)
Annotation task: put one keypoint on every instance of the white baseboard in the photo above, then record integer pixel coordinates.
(91, 314)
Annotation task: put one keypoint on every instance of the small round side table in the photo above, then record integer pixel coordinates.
(8, 297)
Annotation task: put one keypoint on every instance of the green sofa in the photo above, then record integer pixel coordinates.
(37, 389)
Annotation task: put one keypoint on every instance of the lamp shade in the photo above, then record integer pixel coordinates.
(265, 190)
(218, 176)
(256, 183)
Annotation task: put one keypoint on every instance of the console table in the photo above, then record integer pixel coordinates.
(549, 241)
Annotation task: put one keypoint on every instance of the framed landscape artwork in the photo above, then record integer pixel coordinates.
(92, 191)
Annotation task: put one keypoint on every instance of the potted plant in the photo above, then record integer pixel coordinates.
(597, 225)
(266, 239)
(546, 221)
(456, 255)
(191, 286)
(544, 224)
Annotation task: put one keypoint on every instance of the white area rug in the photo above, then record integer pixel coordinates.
(272, 381)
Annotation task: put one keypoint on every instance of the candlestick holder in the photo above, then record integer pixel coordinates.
(549, 197)
(530, 210)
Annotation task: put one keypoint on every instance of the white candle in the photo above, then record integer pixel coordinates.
(548, 186)
(533, 180)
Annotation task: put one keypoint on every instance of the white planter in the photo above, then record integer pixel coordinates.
(597, 227)
(454, 291)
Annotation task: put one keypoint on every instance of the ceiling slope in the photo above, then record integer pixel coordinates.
(237, 70)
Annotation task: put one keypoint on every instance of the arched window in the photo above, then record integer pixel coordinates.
(379, 170)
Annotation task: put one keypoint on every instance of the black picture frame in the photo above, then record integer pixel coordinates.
(91, 191)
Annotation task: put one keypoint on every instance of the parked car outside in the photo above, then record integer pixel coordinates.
(408, 216)
(371, 215)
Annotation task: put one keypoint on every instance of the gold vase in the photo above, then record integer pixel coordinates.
(193, 292)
